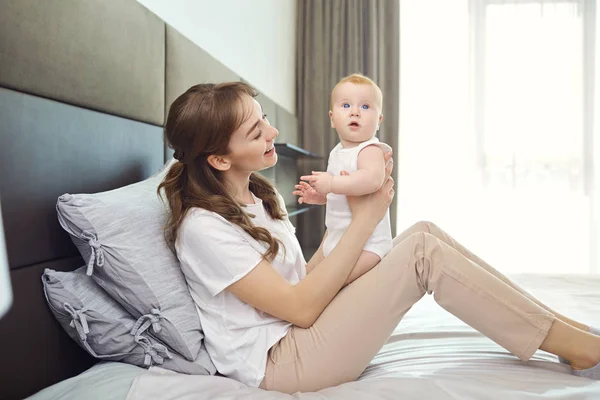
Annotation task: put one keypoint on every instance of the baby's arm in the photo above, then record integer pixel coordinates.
(368, 176)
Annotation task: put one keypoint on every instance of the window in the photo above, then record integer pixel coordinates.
(496, 139)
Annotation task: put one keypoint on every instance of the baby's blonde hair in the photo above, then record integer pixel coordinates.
(358, 79)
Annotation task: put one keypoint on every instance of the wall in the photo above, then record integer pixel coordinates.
(255, 39)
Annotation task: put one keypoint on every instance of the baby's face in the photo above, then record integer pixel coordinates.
(355, 113)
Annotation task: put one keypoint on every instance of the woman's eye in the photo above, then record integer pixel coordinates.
(258, 136)
(346, 105)
(365, 106)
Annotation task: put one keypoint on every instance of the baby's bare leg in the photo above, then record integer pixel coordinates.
(366, 261)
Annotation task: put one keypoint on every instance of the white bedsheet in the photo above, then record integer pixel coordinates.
(431, 355)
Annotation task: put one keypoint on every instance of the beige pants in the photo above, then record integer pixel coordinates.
(362, 316)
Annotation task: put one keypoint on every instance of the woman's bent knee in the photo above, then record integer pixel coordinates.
(426, 226)
(412, 244)
(421, 226)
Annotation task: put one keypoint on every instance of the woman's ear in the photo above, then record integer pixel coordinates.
(219, 162)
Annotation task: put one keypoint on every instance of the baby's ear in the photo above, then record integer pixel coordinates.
(331, 119)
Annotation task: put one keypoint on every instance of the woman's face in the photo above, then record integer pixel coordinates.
(252, 145)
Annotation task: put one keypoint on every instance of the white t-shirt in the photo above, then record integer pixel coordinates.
(215, 254)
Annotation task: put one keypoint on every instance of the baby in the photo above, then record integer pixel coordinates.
(356, 166)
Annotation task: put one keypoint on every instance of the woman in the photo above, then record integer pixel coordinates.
(273, 321)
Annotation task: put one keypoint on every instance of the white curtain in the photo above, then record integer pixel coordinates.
(496, 140)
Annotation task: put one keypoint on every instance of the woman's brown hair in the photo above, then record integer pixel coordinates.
(201, 122)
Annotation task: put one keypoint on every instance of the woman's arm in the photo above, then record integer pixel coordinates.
(301, 304)
(356, 272)
(317, 257)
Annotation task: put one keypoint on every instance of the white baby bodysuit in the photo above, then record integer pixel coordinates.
(338, 214)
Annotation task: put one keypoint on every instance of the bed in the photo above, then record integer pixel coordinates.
(84, 88)
(431, 355)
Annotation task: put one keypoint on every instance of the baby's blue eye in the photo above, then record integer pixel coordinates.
(346, 105)
(365, 107)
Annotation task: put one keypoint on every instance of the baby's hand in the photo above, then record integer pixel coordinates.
(320, 181)
(308, 195)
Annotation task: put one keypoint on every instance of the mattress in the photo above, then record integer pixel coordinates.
(107, 380)
(431, 355)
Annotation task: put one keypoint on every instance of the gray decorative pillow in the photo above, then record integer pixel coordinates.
(105, 329)
(120, 233)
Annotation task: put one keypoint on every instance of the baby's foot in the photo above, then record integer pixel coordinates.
(591, 330)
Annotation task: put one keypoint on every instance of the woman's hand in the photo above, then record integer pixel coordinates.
(373, 206)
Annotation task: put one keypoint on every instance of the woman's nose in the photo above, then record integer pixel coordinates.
(274, 133)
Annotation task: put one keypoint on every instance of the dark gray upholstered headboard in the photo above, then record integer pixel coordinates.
(84, 89)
